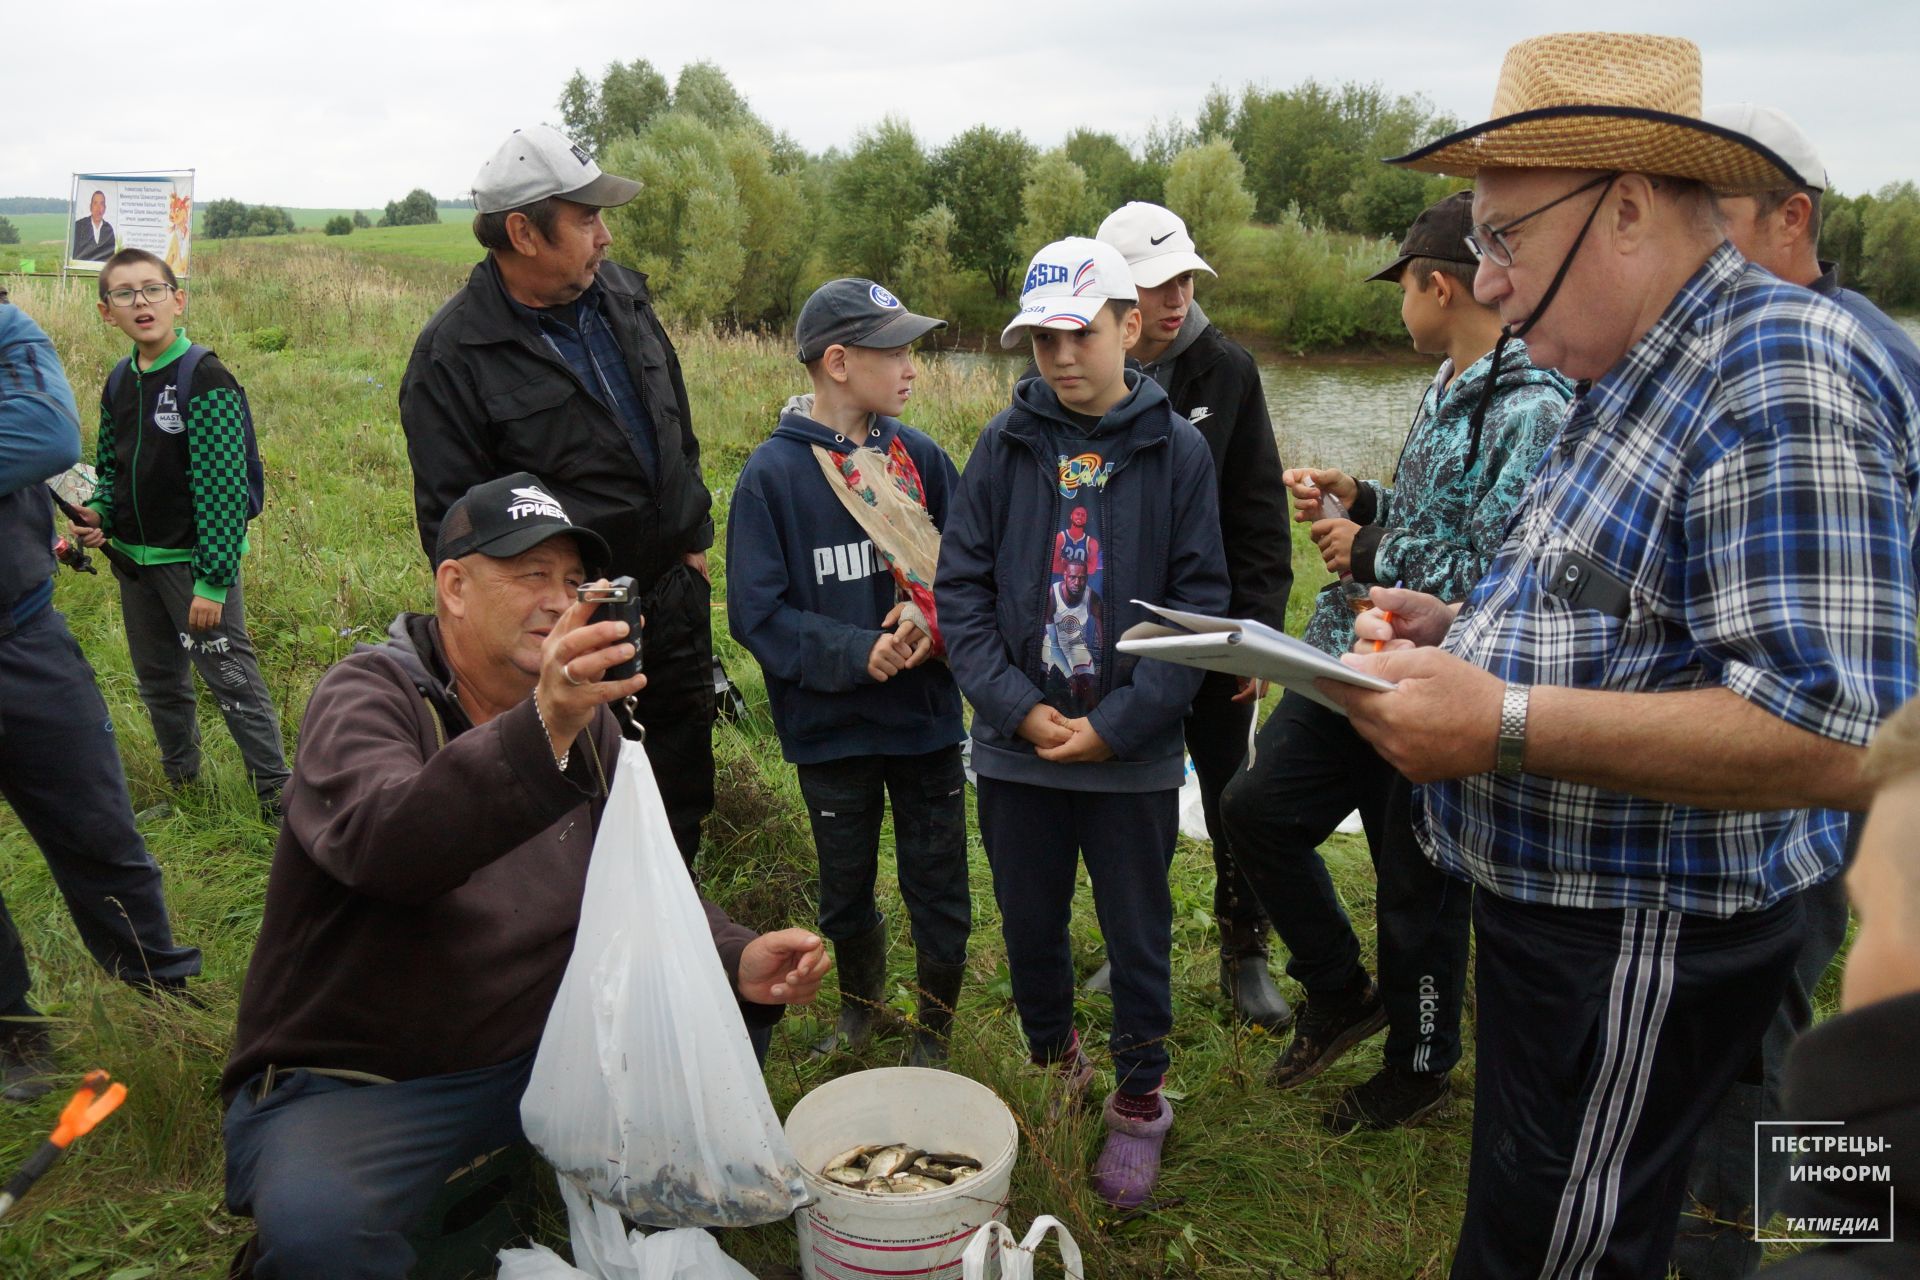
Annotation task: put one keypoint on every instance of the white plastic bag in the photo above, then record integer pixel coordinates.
(1016, 1260)
(645, 1092)
(1193, 813)
(686, 1254)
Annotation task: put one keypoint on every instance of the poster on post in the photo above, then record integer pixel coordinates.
(112, 211)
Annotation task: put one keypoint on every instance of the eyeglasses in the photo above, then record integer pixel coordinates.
(1490, 243)
(155, 292)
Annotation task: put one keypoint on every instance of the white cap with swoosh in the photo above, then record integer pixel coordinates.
(1154, 241)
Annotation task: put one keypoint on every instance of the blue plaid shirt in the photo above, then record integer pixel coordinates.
(592, 350)
(1747, 475)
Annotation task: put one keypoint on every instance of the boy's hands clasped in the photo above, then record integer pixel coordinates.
(902, 648)
(1062, 740)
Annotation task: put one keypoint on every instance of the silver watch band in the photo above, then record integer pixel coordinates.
(1510, 753)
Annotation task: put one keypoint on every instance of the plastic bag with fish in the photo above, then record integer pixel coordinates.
(645, 1092)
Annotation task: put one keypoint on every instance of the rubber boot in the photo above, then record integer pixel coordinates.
(862, 962)
(939, 995)
(1244, 979)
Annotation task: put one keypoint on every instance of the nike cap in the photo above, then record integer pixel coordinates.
(504, 517)
(1154, 241)
(856, 313)
(1067, 284)
(1778, 134)
(1439, 232)
(539, 163)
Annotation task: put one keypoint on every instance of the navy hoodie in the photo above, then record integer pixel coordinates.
(806, 594)
(1160, 534)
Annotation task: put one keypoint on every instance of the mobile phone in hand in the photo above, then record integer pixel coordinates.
(618, 600)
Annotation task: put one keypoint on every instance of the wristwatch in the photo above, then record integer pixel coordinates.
(1511, 750)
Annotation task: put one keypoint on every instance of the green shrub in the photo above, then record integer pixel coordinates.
(271, 337)
(340, 225)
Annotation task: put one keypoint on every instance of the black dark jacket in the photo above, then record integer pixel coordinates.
(483, 396)
(1858, 1069)
(1216, 386)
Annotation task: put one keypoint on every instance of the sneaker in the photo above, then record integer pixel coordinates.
(1394, 1096)
(1323, 1031)
(1069, 1082)
(1129, 1163)
(27, 1068)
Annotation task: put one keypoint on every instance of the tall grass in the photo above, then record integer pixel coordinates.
(320, 332)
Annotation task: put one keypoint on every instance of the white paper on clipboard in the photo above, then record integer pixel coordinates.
(1241, 647)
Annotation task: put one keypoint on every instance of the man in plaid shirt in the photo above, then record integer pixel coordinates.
(1640, 723)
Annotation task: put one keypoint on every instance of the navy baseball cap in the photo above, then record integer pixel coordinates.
(856, 313)
(502, 518)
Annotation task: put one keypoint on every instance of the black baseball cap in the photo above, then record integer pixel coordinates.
(504, 517)
(856, 313)
(1439, 232)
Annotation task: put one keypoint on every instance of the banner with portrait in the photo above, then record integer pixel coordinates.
(113, 211)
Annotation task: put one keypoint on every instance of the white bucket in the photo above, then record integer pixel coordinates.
(853, 1235)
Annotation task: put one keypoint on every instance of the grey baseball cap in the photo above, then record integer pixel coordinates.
(534, 164)
(856, 313)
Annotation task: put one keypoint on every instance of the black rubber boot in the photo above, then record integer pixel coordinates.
(862, 964)
(1244, 979)
(939, 995)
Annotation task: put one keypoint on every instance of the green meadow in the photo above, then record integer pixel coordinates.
(319, 330)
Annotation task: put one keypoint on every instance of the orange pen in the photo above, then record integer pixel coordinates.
(1387, 615)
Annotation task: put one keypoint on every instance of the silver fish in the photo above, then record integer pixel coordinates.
(891, 1160)
(851, 1156)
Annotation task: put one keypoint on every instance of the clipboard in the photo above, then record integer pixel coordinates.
(1241, 647)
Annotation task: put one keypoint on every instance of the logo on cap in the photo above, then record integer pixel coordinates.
(882, 297)
(580, 154)
(1084, 278)
(534, 502)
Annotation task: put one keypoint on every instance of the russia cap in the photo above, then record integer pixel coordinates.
(856, 313)
(504, 517)
(541, 162)
(1067, 284)
(1154, 241)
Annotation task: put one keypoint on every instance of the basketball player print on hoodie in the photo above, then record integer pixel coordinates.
(1073, 648)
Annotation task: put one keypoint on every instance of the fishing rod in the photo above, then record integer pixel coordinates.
(91, 1103)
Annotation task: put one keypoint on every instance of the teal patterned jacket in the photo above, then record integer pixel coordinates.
(1436, 527)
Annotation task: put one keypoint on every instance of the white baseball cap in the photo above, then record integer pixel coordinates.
(1154, 241)
(534, 164)
(1067, 284)
(1775, 132)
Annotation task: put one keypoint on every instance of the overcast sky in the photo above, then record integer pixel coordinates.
(352, 103)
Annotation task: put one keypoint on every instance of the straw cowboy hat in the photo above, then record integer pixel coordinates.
(1604, 100)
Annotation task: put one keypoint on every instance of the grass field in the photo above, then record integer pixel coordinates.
(43, 235)
(1254, 1186)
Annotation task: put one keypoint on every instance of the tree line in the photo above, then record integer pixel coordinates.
(736, 221)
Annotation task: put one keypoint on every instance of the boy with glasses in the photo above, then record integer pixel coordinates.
(173, 500)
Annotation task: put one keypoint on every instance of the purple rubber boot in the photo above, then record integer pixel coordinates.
(1129, 1164)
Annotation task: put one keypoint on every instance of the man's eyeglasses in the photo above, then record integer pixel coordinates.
(1490, 243)
(155, 292)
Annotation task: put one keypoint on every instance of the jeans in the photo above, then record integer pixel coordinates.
(1035, 838)
(165, 656)
(60, 771)
(1217, 740)
(846, 800)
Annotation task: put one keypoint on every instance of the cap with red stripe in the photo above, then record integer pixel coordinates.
(1067, 283)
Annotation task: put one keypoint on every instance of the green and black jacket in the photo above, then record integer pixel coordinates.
(173, 478)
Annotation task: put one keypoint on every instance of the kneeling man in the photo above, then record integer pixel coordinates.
(425, 891)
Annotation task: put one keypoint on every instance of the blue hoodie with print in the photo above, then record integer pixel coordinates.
(806, 594)
(1016, 563)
